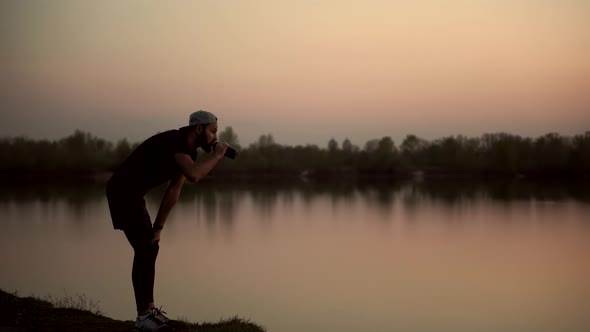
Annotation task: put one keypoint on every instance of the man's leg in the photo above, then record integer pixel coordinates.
(131, 216)
(151, 275)
(144, 263)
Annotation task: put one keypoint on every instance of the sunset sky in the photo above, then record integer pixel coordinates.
(304, 71)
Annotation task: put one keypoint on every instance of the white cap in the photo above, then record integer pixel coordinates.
(201, 117)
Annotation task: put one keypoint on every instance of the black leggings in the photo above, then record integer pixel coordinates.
(129, 213)
(144, 263)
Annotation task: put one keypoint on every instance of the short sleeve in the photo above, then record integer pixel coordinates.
(180, 147)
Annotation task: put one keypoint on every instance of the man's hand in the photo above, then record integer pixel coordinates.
(220, 149)
(156, 237)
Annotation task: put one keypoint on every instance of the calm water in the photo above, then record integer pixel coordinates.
(391, 257)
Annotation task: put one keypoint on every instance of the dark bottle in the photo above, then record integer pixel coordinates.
(230, 152)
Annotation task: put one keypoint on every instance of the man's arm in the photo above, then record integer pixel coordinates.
(196, 171)
(169, 200)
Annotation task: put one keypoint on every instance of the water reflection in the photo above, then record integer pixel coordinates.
(221, 201)
(322, 256)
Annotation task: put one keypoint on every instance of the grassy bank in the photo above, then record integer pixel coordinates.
(77, 314)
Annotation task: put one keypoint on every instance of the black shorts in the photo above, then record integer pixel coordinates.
(127, 210)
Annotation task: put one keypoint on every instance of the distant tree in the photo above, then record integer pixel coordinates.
(496, 153)
(372, 145)
(551, 151)
(504, 153)
(413, 149)
(332, 145)
(347, 145)
(580, 153)
(413, 144)
(230, 137)
(386, 145)
(122, 150)
(266, 141)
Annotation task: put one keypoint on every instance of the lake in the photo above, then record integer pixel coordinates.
(381, 256)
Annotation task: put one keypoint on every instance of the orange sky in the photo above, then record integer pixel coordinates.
(304, 71)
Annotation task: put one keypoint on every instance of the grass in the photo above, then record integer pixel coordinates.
(77, 313)
(78, 302)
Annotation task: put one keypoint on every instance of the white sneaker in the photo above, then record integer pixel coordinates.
(150, 323)
(160, 315)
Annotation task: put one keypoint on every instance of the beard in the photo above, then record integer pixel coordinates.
(203, 144)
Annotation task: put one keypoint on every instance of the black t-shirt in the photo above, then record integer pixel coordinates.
(150, 164)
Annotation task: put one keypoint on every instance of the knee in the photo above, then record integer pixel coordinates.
(155, 249)
(147, 251)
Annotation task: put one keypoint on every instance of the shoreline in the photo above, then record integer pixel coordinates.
(31, 313)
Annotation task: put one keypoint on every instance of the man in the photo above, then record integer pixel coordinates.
(166, 157)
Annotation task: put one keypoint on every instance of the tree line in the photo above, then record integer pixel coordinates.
(496, 154)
